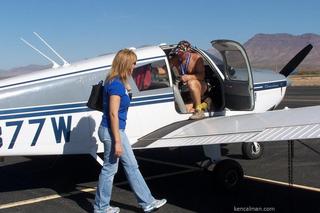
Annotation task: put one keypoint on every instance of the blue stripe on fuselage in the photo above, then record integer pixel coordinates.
(269, 85)
(75, 108)
(42, 108)
(81, 107)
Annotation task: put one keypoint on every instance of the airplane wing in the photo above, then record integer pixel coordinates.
(279, 125)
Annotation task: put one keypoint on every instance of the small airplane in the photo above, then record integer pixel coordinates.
(45, 112)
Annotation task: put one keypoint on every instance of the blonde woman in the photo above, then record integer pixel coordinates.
(116, 144)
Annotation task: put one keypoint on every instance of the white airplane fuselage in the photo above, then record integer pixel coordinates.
(45, 113)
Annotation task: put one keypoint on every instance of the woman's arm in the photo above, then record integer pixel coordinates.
(114, 104)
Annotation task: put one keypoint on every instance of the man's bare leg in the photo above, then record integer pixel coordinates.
(195, 92)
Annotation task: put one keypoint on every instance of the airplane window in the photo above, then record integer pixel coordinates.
(236, 66)
(216, 57)
(151, 76)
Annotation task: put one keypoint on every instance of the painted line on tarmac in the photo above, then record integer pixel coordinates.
(283, 183)
(84, 190)
(45, 198)
(193, 168)
(167, 163)
(161, 176)
(189, 169)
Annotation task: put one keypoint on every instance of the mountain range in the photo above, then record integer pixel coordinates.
(273, 51)
(265, 51)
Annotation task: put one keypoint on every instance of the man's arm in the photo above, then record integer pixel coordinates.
(199, 69)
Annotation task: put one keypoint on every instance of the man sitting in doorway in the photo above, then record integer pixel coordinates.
(191, 72)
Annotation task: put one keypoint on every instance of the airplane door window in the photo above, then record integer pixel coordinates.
(236, 66)
(151, 76)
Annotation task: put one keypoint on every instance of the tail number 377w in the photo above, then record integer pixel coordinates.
(60, 126)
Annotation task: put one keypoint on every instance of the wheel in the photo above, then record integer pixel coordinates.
(252, 150)
(228, 174)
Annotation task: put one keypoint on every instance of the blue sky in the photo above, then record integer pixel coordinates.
(80, 29)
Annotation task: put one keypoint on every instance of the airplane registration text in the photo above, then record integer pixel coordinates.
(60, 126)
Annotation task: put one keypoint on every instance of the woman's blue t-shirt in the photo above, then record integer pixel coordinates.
(115, 87)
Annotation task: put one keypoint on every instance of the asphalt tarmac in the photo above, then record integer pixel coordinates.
(66, 183)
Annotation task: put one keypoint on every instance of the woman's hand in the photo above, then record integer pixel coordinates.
(118, 150)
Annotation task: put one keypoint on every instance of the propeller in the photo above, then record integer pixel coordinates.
(295, 61)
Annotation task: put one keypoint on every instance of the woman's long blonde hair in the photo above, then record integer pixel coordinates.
(122, 64)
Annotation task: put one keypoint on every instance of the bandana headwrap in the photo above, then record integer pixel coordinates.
(183, 46)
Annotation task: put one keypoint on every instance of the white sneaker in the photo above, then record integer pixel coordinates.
(156, 204)
(112, 209)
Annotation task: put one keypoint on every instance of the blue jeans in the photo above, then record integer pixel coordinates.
(110, 168)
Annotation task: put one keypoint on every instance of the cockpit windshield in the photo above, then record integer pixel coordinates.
(216, 57)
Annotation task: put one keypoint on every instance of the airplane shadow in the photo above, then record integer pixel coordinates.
(196, 190)
(60, 173)
(84, 146)
(82, 135)
(190, 191)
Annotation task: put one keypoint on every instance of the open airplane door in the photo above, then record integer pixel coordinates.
(238, 83)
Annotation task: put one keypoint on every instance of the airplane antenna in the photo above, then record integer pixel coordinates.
(65, 63)
(55, 65)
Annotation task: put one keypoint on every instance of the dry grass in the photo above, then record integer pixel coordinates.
(300, 80)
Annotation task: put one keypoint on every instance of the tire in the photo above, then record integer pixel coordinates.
(251, 152)
(228, 174)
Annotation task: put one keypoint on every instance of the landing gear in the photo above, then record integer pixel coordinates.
(252, 150)
(228, 174)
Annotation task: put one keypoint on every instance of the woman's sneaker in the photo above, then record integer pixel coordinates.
(156, 204)
(112, 209)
